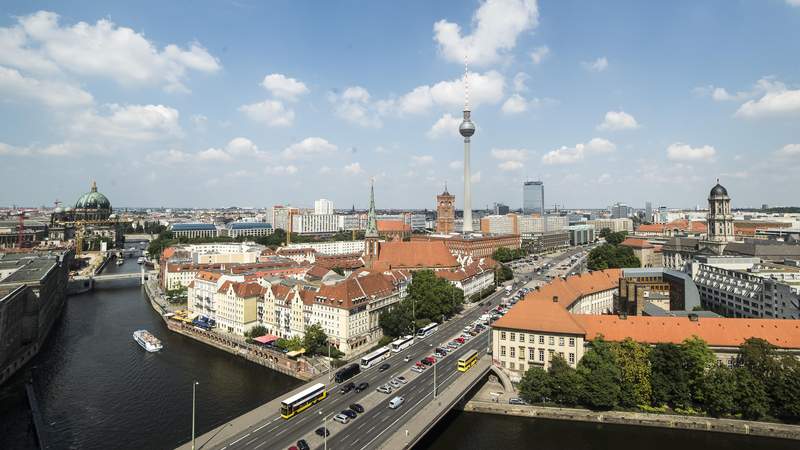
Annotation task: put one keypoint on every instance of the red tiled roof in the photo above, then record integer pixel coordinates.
(415, 255)
(539, 315)
(393, 225)
(350, 291)
(636, 243)
(317, 271)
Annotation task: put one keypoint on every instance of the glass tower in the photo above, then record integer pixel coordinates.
(533, 197)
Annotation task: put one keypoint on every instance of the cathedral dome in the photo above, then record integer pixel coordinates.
(93, 200)
(718, 191)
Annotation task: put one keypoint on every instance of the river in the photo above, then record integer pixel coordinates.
(99, 390)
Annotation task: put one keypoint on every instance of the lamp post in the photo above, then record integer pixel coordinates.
(325, 429)
(194, 396)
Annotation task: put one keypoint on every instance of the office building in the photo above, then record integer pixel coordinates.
(501, 209)
(620, 211)
(323, 206)
(533, 197)
(580, 234)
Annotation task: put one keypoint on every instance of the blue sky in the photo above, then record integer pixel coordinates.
(254, 103)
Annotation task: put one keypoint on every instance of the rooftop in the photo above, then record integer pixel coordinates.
(192, 226)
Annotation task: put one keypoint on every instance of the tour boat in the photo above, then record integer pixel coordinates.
(147, 340)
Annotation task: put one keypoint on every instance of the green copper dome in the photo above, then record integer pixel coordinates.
(93, 200)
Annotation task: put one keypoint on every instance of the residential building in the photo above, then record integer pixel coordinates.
(236, 304)
(281, 216)
(496, 224)
(642, 289)
(333, 247)
(620, 211)
(548, 241)
(533, 197)
(323, 206)
(473, 277)
(315, 223)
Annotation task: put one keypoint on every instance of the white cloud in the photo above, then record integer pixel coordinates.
(684, 152)
(447, 125)
(483, 88)
(456, 165)
(129, 122)
(618, 120)
(171, 156)
(281, 170)
(539, 54)
(496, 25)
(776, 102)
(103, 50)
(510, 165)
(308, 148)
(519, 81)
(793, 2)
(509, 154)
(270, 112)
(598, 65)
(571, 155)
(354, 106)
(514, 105)
(324, 170)
(284, 87)
(54, 94)
(353, 168)
(199, 122)
(213, 154)
(421, 160)
(790, 149)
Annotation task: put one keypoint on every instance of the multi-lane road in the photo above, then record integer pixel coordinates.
(379, 421)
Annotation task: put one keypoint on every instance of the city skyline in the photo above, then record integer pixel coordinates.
(268, 112)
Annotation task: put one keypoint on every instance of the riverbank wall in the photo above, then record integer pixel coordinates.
(299, 368)
(765, 429)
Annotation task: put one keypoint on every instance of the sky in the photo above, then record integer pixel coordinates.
(254, 103)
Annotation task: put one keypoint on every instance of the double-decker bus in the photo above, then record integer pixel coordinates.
(468, 360)
(402, 343)
(347, 372)
(302, 400)
(375, 357)
(427, 330)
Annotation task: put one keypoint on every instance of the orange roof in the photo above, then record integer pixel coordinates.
(208, 276)
(539, 315)
(717, 332)
(356, 289)
(393, 225)
(317, 271)
(168, 252)
(415, 255)
(695, 226)
(636, 243)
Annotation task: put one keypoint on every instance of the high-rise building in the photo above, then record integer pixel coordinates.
(445, 212)
(533, 197)
(281, 216)
(501, 209)
(323, 206)
(620, 211)
(648, 211)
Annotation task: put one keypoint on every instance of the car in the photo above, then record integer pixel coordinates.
(385, 389)
(341, 418)
(407, 358)
(460, 340)
(362, 386)
(516, 401)
(384, 367)
(357, 408)
(396, 402)
(425, 361)
(466, 329)
(431, 359)
(350, 413)
(347, 388)
(418, 369)
(452, 345)
(322, 431)
(394, 383)
(293, 448)
(303, 445)
(402, 379)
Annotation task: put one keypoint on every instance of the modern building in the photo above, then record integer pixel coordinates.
(546, 242)
(281, 216)
(641, 290)
(193, 230)
(333, 247)
(615, 225)
(445, 212)
(501, 209)
(533, 197)
(580, 234)
(323, 206)
(238, 229)
(496, 224)
(316, 223)
(648, 212)
(620, 211)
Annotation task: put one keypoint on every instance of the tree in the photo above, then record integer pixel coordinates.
(564, 382)
(397, 321)
(699, 359)
(433, 297)
(752, 399)
(759, 358)
(503, 254)
(315, 340)
(502, 273)
(609, 256)
(616, 238)
(787, 389)
(600, 376)
(535, 385)
(634, 366)
(669, 379)
(256, 331)
(717, 391)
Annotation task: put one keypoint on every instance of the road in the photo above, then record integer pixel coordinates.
(378, 422)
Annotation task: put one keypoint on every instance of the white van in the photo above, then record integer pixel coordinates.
(396, 402)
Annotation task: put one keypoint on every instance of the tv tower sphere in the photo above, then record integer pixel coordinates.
(467, 128)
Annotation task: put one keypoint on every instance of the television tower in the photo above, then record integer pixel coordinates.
(467, 129)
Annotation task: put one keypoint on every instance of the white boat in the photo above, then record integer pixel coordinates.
(140, 260)
(147, 340)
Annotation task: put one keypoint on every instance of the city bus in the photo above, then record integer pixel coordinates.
(402, 343)
(302, 400)
(468, 360)
(375, 357)
(347, 372)
(427, 330)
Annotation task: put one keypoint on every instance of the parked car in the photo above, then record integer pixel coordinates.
(357, 408)
(303, 445)
(384, 367)
(362, 386)
(341, 418)
(460, 340)
(394, 383)
(401, 379)
(426, 362)
(431, 359)
(418, 369)
(350, 413)
(385, 389)
(347, 388)
(516, 401)
(322, 431)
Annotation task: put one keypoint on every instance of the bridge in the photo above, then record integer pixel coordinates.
(91, 282)
(379, 426)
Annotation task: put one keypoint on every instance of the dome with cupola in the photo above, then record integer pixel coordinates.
(93, 205)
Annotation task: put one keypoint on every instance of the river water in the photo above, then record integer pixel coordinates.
(99, 390)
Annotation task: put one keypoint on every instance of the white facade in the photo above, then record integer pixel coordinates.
(315, 223)
(333, 248)
(497, 224)
(280, 216)
(615, 225)
(600, 302)
(323, 206)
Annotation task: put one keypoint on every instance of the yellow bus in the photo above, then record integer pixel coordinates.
(467, 361)
(302, 400)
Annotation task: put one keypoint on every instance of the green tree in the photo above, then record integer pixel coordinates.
(752, 399)
(600, 376)
(315, 340)
(397, 321)
(787, 389)
(699, 359)
(503, 254)
(609, 256)
(256, 331)
(502, 273)
(717, 391)
(759, 358)
(564, 382)
(433, 297)
(634, 366)
(535, 385)
(604, 232)
(616, 238)
(669, 379)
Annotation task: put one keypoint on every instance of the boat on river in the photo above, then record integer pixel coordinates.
(147, 340)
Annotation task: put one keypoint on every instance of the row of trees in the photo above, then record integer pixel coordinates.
(505, 254)
(685, 377)
(429, 299)
(612, 255)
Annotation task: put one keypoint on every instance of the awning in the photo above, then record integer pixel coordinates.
(266, 339)
(296, 353)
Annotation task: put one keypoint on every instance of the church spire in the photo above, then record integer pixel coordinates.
(372, 222)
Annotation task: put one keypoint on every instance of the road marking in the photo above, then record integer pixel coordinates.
(259, 445)
(252, 440)
(234, 442)
(262, 426)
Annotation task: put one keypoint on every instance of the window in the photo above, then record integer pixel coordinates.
(512, 351)
(541, 340)
(502, 335)
(550, 354)
(551, 340)
(511, 365)
(531, 338)
(531, 353)
(502, 350)
(522, 353)
(561, 341)
(572, 358)
(511, 336)
(572, 342)
(541, 355)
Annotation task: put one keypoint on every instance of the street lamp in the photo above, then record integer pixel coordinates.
(194, 396)
(324, 429)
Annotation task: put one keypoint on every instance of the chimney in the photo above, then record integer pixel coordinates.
(555, 299)
(694, 317)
